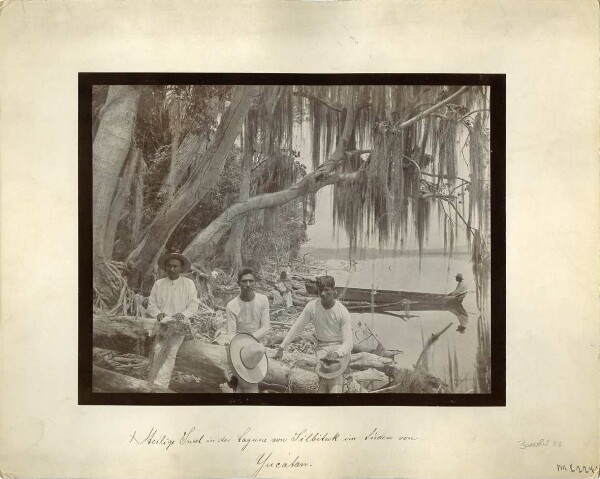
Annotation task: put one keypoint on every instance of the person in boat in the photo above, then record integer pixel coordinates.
(461, 287)
(284, 287)
(247, 313)
(173, 301)
(333, 331)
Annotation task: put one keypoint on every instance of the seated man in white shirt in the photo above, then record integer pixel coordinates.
(247, 313)
(461, 287)
(175, 298)
(333, 330)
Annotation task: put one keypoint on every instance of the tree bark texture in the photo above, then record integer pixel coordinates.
(119, 201)
(111, 146)
(202, 178)
(233, 248)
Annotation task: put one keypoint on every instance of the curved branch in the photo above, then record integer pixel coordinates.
(429, 111)
(447, 200)
(471, 113)
(325, 174)
(464, 182)
(445, 177)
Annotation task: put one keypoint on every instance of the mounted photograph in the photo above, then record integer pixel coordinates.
(292, 239)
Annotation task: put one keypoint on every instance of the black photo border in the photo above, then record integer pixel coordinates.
(497, 397)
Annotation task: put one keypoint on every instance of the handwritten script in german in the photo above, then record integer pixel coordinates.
(264, 458)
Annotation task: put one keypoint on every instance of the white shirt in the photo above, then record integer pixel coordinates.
(330, 325)
(250, 317)
(461, 288)
(172, 297)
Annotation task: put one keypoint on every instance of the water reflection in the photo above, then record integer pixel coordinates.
(461, 356)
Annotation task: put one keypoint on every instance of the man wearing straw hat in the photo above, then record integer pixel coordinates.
(333, 330)
(461, 287)
(173, 301)
(247, 313)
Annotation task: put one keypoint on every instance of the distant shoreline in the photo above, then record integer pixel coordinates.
(366, 254)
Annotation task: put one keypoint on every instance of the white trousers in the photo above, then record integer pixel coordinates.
(167, 348)
(332, 386)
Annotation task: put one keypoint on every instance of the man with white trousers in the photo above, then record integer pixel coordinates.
(174, 300)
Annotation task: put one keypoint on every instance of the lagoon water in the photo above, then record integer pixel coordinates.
(432, 273)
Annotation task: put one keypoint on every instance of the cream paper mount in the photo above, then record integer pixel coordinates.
(548, 51)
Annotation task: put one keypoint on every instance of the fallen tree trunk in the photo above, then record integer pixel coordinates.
(138, 366)
(206, 361)
(105, 381)
(209, 363)
(126, 334)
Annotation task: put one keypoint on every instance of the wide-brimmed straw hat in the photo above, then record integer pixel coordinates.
(330, 369)
(248, 358)
(185, 263)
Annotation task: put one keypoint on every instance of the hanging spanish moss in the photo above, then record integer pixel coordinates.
(403, 151)
(275, 120)
(408, 162)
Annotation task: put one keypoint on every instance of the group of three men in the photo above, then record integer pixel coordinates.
(174, 298)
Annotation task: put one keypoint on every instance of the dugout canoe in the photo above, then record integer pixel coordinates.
(391, 297)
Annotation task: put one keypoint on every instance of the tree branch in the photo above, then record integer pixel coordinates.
(325, 174)
(445, 198)
(471, 113)
(323, 101)
(430, 341)
(445, 177)
(437, 106)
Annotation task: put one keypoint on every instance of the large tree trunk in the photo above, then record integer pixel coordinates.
(138, 203)
(325, 175)
(175, 126)
(199, 183)
(233, 248)
(118, 203)
(206, 361)
(111, 146)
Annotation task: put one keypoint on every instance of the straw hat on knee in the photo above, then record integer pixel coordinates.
(330, 369)
(248, 358)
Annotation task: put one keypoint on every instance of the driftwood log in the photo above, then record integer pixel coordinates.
(430, 341)
(371, 378)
